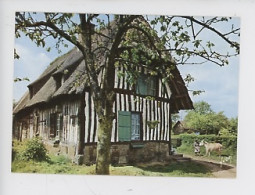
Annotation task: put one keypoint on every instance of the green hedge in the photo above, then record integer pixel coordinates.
(229, 142)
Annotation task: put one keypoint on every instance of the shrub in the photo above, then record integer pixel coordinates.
(17, 148)
(34, 150)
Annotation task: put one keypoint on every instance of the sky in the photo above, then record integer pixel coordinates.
(219, 83)
(220, 86)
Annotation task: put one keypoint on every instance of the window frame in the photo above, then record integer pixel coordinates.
(133, 129)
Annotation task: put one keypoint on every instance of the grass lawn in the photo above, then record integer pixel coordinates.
(61, 165)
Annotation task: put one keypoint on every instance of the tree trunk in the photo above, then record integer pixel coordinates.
(105, 115)
(104, 145)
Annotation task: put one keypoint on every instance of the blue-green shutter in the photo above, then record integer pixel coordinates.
(141, 85)
(146, 85)
(124, 126)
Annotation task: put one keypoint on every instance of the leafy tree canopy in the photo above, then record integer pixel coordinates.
(202, 108)
(203, 118)
(182, 36)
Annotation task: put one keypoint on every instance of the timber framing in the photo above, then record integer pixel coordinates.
(59, 107)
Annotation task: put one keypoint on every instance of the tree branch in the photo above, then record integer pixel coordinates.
(52, 26)
(233, 44)
(197, 54)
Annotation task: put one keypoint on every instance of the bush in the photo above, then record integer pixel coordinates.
(17, 148)
(34, 150)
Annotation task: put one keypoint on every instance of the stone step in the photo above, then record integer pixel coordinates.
(184, 159)
(177, 155)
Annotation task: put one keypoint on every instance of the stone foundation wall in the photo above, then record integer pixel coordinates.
(61, 149)
(130, 153)
(121, 153)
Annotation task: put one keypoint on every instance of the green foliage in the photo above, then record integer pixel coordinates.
(202, 107)
(180, 35)
(16, 56)
(176, 141)
(224, 132)
(152, 124)
(17, 148)
(233, 126)
(204, 119)
(229, 143)
(197, 92)
(188, 79)
(17, 79)
(32, 150)
(226, 141)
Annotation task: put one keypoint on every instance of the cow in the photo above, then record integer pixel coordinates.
(209, 147)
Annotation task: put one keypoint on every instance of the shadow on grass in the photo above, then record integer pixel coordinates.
(183, 167)
(213, 166)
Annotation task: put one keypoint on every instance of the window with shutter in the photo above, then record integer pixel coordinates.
(146, 85)
(129, 126)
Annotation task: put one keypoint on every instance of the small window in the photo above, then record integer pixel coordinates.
(146, 85)
(53, 121)
(59, 125)
(129, 126)
(59, 122)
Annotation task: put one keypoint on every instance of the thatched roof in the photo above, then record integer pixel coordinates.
(72, 59)
(71, 62)
(22, 102)
(180, 99)
(44, 94)
(71, 66)
(71, 85)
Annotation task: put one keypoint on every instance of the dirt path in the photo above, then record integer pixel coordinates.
(218, 170)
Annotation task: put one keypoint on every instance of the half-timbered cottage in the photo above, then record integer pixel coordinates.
(142, 126)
